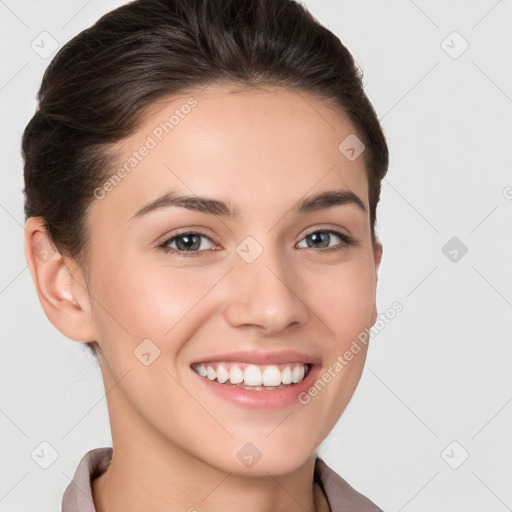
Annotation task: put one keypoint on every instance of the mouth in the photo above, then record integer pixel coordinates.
(253, 377)
(258, 381)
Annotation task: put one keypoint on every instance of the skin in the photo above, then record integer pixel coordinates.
(175, 446)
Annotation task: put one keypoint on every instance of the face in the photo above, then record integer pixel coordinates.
(267, 279)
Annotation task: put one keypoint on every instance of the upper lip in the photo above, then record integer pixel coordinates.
(263, 358)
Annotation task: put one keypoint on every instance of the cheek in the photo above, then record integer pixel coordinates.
(342, 297)
(138, 301)
(164, 303)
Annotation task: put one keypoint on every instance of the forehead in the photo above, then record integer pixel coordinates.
(266, 146)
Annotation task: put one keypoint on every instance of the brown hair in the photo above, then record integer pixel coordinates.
(97, 88)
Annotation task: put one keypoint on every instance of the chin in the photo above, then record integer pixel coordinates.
(262, 457)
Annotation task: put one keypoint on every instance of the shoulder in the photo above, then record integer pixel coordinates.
(342, 497)
(78, 494)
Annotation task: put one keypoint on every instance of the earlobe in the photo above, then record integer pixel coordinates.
(62, 296)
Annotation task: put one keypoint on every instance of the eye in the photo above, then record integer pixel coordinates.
(190, 243)
(186, 244)
(321, 239)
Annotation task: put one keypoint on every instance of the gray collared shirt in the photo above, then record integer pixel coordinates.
(78, 494)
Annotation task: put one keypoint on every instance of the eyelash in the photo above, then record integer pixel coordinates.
(346, 242)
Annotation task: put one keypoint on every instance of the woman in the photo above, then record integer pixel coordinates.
(201, 183)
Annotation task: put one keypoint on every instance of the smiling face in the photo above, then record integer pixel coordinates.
(268, 272)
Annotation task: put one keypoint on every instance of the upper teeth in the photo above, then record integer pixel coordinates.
(251, 374)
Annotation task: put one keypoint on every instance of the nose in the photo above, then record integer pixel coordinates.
(266, 294)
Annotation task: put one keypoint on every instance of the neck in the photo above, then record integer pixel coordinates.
(149, 472)
(141, 479)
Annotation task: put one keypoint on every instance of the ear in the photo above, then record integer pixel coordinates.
(61, 291)
(377, 255)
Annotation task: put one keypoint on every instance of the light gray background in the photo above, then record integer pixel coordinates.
(439, 372)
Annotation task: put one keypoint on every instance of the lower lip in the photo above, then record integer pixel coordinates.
(262, 400)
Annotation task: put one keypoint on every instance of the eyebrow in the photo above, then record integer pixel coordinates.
(211, 206)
